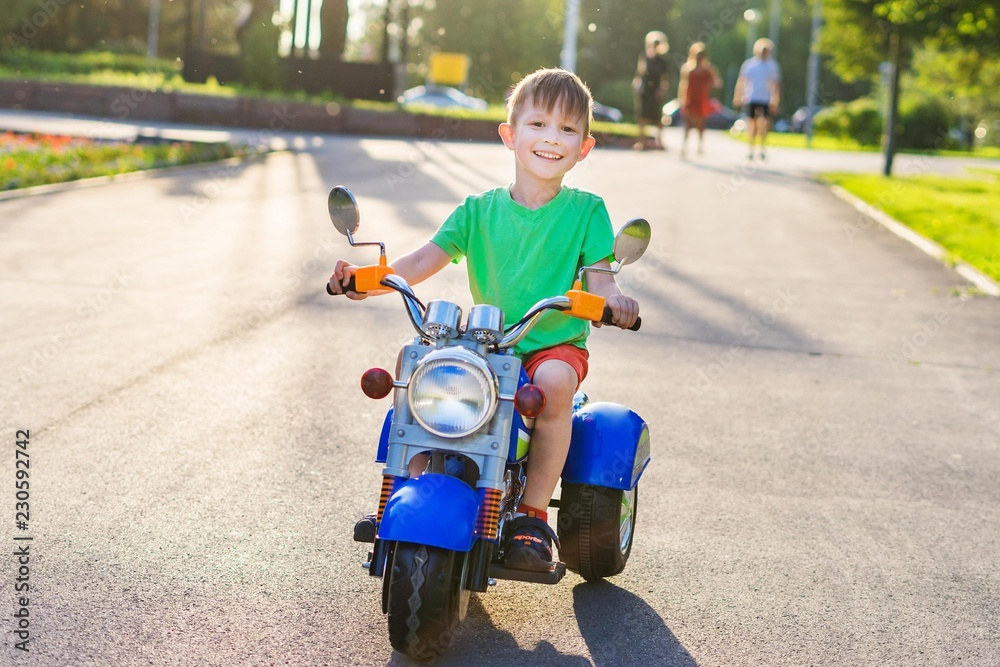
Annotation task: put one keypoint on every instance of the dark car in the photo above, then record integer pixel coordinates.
(721, 118)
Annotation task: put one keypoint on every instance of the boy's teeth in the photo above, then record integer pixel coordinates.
(552, 156)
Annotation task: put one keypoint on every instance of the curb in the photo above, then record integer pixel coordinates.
(80, 183)
(979, 279)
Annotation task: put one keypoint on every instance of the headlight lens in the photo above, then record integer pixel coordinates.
(452, 392)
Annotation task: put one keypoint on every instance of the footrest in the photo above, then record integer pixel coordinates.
(364, 530)
(553, 576)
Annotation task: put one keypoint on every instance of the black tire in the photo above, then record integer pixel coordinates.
(596, 527)
(426, 599)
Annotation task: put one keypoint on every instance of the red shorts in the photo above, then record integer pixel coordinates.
(574, 356)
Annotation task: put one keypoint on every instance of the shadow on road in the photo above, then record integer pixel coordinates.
(621, 629)
(480, 642)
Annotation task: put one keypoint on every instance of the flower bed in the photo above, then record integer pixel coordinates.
(32, 159)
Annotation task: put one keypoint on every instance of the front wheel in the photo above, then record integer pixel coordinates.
(426, 599)
(596, 526)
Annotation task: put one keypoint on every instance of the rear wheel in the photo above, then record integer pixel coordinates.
(596, 526)
(426, 599)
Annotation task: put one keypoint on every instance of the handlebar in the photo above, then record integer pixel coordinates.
(415, 309)
(349, 288)
(608, 318)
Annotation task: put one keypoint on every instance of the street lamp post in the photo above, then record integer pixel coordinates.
(153, 30)
(570, 28)
(812, 87)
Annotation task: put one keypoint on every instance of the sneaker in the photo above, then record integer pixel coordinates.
(530, 545)
(763, 155)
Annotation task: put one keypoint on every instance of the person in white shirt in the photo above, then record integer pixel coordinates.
(759, 89)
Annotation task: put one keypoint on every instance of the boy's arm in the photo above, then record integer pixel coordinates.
(624, 309)
(414, 267)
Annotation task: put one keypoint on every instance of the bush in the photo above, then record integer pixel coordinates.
(860, 120)
(27, 61)
(924, 125)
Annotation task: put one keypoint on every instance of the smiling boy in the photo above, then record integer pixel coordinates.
(523, 243)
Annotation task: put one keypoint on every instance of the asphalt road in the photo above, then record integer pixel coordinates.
(823, 398)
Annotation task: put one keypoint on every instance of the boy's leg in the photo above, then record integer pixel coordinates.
(553, 428)
(530, 544)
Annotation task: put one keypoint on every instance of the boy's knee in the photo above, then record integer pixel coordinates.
(557, 379)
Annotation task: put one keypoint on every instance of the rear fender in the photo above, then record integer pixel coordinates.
(609, 447)
(433, 509)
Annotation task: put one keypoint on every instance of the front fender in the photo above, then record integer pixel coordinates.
(433, 509)
(609, 447)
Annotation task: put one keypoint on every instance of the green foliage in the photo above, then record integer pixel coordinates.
(860, 120)
(855, 31)
(24, 61)
(504, 39)
(30, 159)
(925, 124)
(964, 77)
(259, 56)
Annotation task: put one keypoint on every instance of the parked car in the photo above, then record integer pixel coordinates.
(800, 118)
(606, 113)
(721, 118)
(444, 97)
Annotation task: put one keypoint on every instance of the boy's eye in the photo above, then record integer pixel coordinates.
(569, 128)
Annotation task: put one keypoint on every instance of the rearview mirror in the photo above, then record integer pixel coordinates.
(343, 211)
(631, 241)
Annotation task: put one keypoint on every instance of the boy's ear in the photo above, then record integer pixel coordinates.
(506, 131)
(587, 146)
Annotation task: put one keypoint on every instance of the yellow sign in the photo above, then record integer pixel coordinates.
(449, 69)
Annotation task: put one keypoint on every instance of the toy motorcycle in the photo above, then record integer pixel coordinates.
(463, 399)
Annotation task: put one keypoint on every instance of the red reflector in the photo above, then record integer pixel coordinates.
(529, 400)
(376, 383)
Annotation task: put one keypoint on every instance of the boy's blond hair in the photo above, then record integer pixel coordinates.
(551, 87)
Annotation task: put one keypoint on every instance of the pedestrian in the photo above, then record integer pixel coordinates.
(698, 79)
(650, 87)
(523, 243)
(758, 89)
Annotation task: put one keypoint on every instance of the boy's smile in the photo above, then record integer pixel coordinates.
(546, 145)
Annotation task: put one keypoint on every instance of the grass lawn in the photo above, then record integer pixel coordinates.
(961, 214)
(28, 159)
(822, 143)
(825, 143)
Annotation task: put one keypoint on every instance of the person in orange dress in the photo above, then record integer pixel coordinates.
(698, 79)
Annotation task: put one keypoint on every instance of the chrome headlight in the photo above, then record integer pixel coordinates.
(452, 392)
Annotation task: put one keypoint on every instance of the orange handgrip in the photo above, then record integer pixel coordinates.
(585, 305)
(369, 278)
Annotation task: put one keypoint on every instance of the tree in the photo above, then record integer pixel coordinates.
(504, 39)
(333, 16)
(896, 28)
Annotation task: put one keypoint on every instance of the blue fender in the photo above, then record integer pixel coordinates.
(433, 509)
(609, 447)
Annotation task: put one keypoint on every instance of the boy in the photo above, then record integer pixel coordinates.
(524, 243)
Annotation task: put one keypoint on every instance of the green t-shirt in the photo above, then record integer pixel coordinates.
(517, 257)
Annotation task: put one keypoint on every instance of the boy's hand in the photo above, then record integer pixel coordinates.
(342, 274)
(624, 309)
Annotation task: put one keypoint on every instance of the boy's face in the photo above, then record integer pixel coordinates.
(546, 144)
